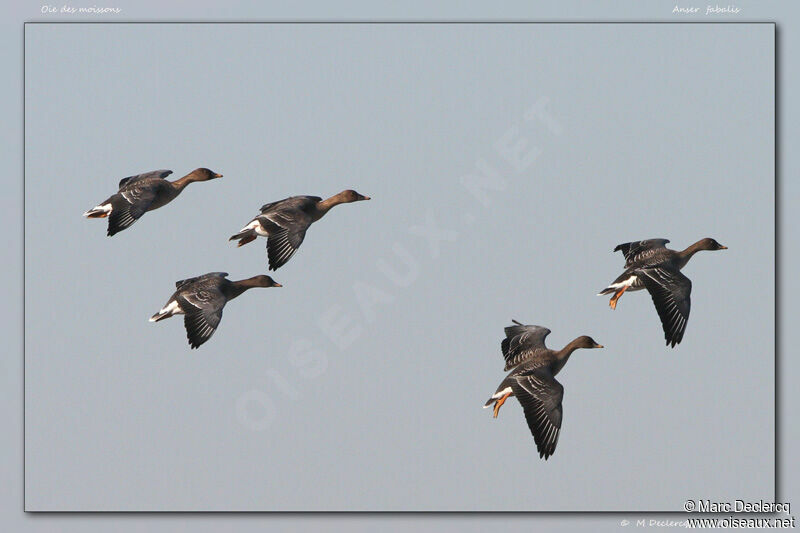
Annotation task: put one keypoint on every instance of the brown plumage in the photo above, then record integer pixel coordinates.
(286, 221)
(532, 380)
(201, 300)
(142, 193)
(651, 265)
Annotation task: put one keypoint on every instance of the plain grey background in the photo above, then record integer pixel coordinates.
(650, 131)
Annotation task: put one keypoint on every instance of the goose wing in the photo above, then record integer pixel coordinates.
(293, 202)
(130, 203)
(286, 223)
(282, 245)
(153, 174)
(540, 395)
(639, 252)
(522, 342)
(671, 292)
(203, 312)
(185, 282)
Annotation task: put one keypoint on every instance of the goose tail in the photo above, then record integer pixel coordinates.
(244, 236)
(497, 396)
(159, 316)
(100, 211)
(625, 281)
(167, 311)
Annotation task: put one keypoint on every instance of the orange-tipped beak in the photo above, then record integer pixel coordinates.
(723, 248)
(367, 198)
(217, 175)
(277, 285)
(599, 346)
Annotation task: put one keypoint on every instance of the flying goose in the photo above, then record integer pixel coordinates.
(141, 193)
(533, 381)
(201, 299)
(651, 265)
(285, 222)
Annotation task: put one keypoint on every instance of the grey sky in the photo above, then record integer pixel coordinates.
(647, 131)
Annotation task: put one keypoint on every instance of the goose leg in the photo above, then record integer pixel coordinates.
(499, 403)
(617, 295)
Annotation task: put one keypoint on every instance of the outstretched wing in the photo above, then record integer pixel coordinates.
(286, 223)
(521, 343)
(540, 395)
(638, 252)
(130, 203)
(283, 244)
(671, 292)
(153, 174)
(184, 282)
(203, 312)
(293, 202)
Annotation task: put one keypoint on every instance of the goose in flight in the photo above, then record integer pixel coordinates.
(284, 223)
(142, 193)
(651, 265)
(201, 300)
(532, 380)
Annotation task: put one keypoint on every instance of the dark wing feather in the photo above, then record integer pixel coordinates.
(154, 174)
(184, 282)
(293, 202)
(671, 292)
(286, 225)
(639, 251)
(540, 395)
(129, 204)
(282, 245)
(522, 343)
(203, 312)
(120, 218)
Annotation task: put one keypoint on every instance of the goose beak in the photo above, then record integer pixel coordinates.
(366, 198)
(217, 175)
(599, 346)
(723, 247)
(277, 285)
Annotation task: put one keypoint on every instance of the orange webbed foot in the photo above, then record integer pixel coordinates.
(499, 403)
(617, 295)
